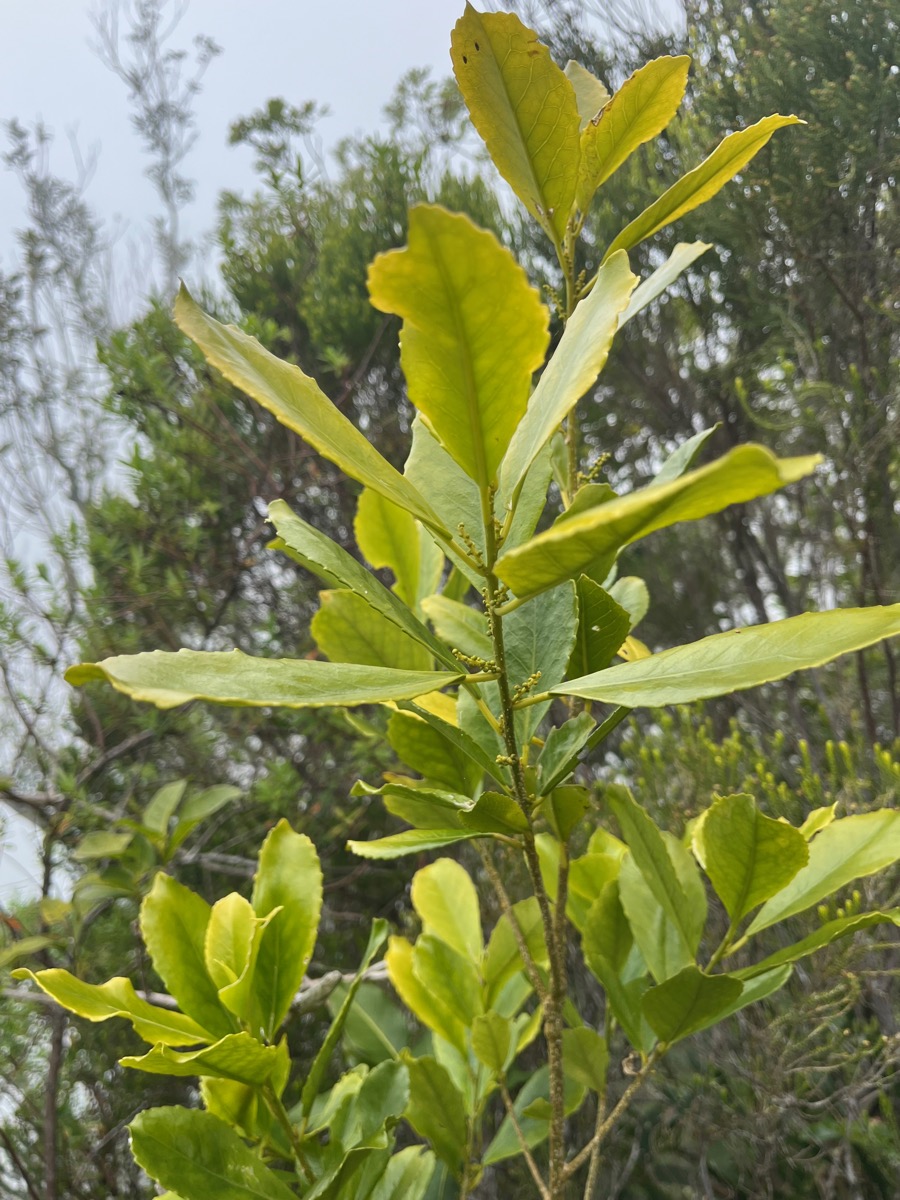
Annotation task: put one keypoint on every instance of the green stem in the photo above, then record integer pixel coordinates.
(279, 1112)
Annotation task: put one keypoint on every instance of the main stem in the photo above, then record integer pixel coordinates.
(553, 923)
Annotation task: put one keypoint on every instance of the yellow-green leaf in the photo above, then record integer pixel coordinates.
(334, 566)
(824, 936)
(573, 368)
(845, 850)
(747, 856)
(446, 900)
(429, 1010)
(348, 630)
(117, 998)
(689, 1001)
(235, 678)
(740, 658)
(571, 546)
(656, 283)
(298, 402)
(238, 1056)
(590, 94)
(474, 331)
(641, 108)
(525, 110)
(701, 184)
(391, 537)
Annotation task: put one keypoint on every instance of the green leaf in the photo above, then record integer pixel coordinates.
(590, 94)
(682, 459)
(427, 750)
(494, 812)
(631, 593)
(102, 843)
(406, 1176)
(651, 855)
(199, 1155)
(535, 1128)
(428, 1008)
(586, 1058)
(298, 402)
(747, 856)
(375, 1027)
(492, 1041)
(571, 546)
(573, 368)
(436, 1109)
(349, 630)
(602, 628)
(239, 1057)
(656, 283)
(445, 898)
(462, 741)
(701, 184)
(231, 947)
(391, 537)
(824, 936)
(502, 959)
(846, 850)
(740, 658)
(117, 998)
(421, 807)
(23, 948)
(640, 110)
(377, 937)
(607, 942)
(474, 331)
(563, 808)
(460, 626)
(524, 109)
(288, 877)
(334, 566)
(162, 806)
(173, 925)
(204, 804)
(223, 677)
(449, 977)
(411, 841)
(563, 742)
(689, 1001)
(661, 943)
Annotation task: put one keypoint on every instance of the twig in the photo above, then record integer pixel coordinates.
(526, 1152)
(603, 1129)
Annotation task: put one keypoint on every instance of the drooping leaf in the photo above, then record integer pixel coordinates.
(445, 898)
(377, 938)
(223, 677)
(701, 184)
(117, 998)
(199, 1155)
(334, 566)
(740, 658)
(348, 630)
(391, 537)
(848, 849)
(747, 856)
(824, 936)
(640, 110)
(586, 1057)
(689, 1001)
(436, 1109)
(590, 93)
(239, 1056)
(474, 331)
(173, 925)
(602, 628)
(298, 402)
(573, 368)
(571, 546)
(525, 110)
